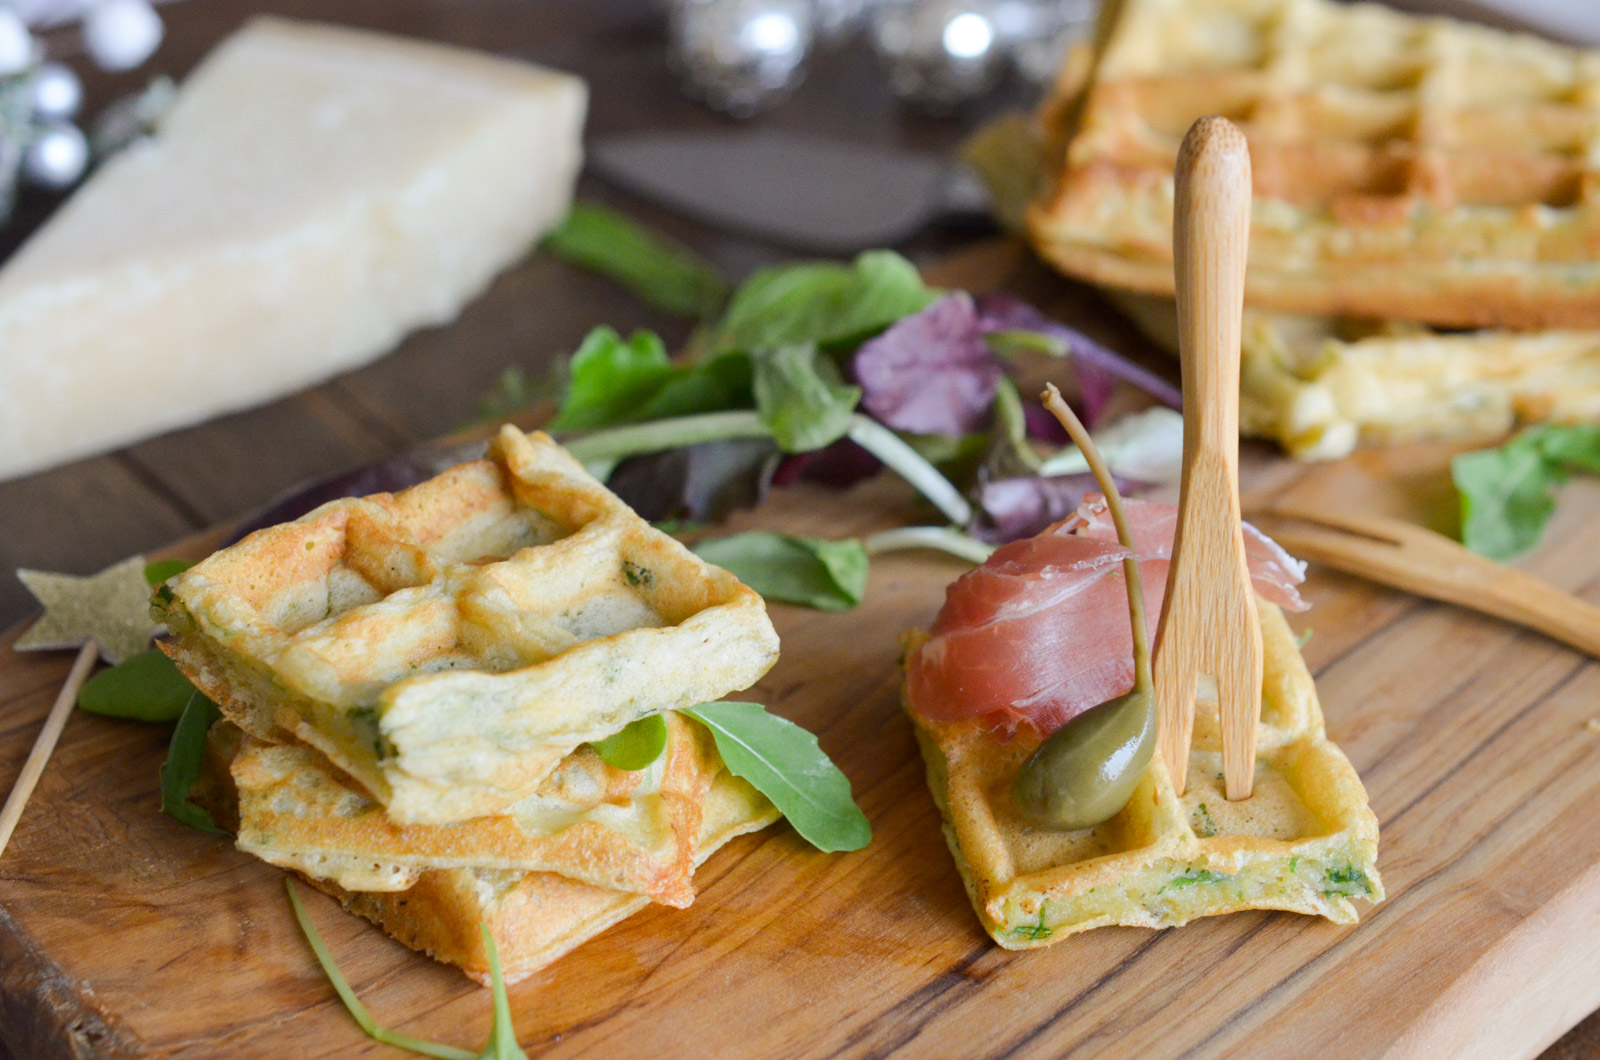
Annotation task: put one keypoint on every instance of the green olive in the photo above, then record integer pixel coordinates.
(1085, 772)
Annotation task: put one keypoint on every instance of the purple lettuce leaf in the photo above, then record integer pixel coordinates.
(1096, 368)
(701, 483)
(1009, 509)
(931, 372)
(841, 464)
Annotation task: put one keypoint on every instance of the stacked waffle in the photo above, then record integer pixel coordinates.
(1305, 841)
(411, 684)
(1413, 178)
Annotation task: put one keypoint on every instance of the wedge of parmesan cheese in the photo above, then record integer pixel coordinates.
(314, 194)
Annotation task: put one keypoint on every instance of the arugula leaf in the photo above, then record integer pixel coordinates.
(664, 273)
(1506, 493)
(611, 379)
(809, 571)
(822, 302)
(801, 398)
(785, 764)
(143, 687)
(638, 744)
(162, 569)
(358, 1011)
(182, 767)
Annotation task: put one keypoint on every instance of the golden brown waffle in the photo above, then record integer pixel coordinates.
(590, 822)
(1410, 168)
(447, 646)
(534, 917)
(1305, 841)
(1320, 387)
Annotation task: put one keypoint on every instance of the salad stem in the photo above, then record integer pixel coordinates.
(941, 538)
(887, 446)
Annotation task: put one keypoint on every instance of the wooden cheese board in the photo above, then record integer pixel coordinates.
(123, 933)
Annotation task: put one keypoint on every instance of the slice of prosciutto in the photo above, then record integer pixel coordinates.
(1040, 633)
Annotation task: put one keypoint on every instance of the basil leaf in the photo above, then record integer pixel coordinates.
(821, 302)
(638, 744)
(1507, 493)
(611, 379)
(784, 763)
(663, 273)
(358, 1011)
(162, 569)
(185, 755)
(143, 687)
(502, 1043)
(809, 571)
(801, 399)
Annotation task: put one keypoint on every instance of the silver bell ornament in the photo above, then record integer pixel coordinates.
(54, 93)
(939, 53)
(17, 50)
(741, 56)
(56, 157)
(121, 34)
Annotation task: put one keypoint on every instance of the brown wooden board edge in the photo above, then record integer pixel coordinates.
(45, 1012)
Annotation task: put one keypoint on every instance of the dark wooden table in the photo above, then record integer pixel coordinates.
(84, 516)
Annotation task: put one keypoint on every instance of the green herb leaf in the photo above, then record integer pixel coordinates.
(358, 1011)
(1192, 877)
(662, 272)
(636, 746)
(144, 687)
(611, 379)
(809, 571)
(723, 382)
(185, 756)
(785, 764)
(801, 398)
(1346, 881)
(821, 302)
(162, 569)
(1506, 493)
(502, 1043)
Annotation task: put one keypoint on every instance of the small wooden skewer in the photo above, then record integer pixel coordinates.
(33, 768)
(1410, 557)
(1209, 622)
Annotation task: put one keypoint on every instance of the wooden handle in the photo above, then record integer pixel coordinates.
(1420, 561)
(1209, 622)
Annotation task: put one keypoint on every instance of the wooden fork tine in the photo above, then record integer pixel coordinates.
(1208, 621)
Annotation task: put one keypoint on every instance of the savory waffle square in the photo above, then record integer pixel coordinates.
(1405, 167)
(534, 917)
(588, 821)
(1305, 841)
(448, 645)
(1321, 386)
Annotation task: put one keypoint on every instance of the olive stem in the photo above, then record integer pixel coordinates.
(1130, 566)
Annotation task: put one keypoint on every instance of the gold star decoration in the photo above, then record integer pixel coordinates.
(112, 608)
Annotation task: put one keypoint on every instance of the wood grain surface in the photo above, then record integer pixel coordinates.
(122, 933)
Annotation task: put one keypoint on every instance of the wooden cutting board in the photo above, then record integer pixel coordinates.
(123, 933)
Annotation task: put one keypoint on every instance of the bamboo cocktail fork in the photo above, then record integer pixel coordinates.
(1409, 557)
(1209, 623)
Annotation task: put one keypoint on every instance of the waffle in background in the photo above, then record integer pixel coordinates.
(1405, 168)
(1305, 842)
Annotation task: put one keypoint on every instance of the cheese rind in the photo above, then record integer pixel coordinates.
(314, 194)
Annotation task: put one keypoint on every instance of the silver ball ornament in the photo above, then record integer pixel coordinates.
(741, 56)
(57, 156)
(939, 53)
(16, 44)
(54, 93)
(121, 34)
